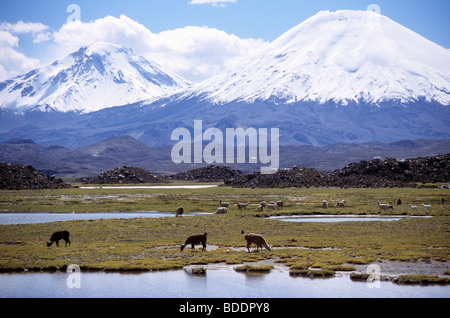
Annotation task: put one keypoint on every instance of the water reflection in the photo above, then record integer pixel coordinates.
(217, 283)
(30, 218)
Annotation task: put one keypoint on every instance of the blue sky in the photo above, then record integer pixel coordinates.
(245, 24)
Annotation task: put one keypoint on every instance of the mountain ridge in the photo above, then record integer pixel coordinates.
(95, 77)
(127, 151)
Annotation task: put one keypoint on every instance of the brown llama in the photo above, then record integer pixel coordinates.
(258, 240)
(195, 239)
(179, 211)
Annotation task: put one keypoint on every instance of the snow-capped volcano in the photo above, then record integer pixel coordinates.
(95, 77)
(339, 56)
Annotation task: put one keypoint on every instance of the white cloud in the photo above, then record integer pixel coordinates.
(12, 62)
(193, 52)
(214, 3)
(37, 30)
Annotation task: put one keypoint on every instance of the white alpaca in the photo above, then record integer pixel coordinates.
(427, 207)
(222, 210)
(270, 206)
(413, 207)
(383, 207)
(340, 204)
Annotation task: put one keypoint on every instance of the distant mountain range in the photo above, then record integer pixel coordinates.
(127, 151)
(95, 77)
(345, 76)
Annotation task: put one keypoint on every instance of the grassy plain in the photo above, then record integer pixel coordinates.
(153, 243)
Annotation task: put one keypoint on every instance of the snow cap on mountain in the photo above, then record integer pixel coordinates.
(339, 56)
(95, 77)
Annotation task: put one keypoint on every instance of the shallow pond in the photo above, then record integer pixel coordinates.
(216, 283)
(29, 218)
(340, 218)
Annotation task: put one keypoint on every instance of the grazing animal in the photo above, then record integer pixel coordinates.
(340, 204)
(261, 208)
(258, 240)
(224, 204)
(427, 207)
(279, 204)
(383, 207)
(179, 211)
(195, 239)
(413, 207)
(243, 205)
(222, 210)
(442, 201)
(59, 235)
(325, 204)
(398, 202)
(270, 206)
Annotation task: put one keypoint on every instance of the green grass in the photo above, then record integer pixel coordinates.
(153, 244)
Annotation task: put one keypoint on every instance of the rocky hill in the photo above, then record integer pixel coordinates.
(212, 173)
(124, 175)
(377, 173)
(20, 177)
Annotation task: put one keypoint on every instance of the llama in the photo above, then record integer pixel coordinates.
(224, 204)
(59, 235)
(426, 207)
(383, 207)
(260, 208)
(280, 204)
(340, 204)
(413, 207)
(243, 205)
(270, 206)
(325, 204)
(221, 210)
(258, 240)
(179, 211)
(398, 202)
(195, 239)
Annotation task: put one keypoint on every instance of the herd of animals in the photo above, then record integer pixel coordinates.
(251, 238)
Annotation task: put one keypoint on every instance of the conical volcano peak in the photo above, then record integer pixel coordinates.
(340, 56)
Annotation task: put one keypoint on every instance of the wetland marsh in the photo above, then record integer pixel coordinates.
(149, 244)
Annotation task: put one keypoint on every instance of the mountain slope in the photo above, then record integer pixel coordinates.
(95, 77)
(339, 56)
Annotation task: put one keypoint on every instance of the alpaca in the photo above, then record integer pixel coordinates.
(325, 204)
(383, 207)
(243, 205)
(179, 211)
(340, 204)
(270, 206)
(260, 208)
(224, 204)
(221, 210)
(427, 207)
(413, 207)
(279, 204)
(59, 235)
(398, 202)
(195, 239)
(258, 240)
